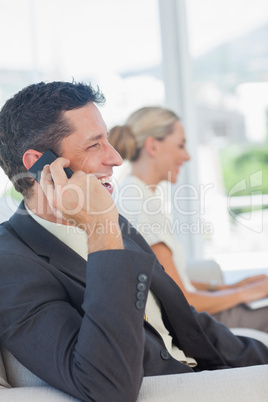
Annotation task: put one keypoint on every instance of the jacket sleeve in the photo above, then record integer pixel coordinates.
(95, 354)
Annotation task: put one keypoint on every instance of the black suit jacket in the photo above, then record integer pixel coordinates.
(80, 325)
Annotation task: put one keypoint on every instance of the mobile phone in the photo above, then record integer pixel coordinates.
(46, 159)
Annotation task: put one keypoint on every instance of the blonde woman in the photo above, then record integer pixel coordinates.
(154, 142)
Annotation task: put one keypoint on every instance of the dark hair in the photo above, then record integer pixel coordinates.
(34, 118)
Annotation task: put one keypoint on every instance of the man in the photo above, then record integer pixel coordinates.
(85, 305)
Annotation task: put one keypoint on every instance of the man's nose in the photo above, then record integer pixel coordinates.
(112, 156)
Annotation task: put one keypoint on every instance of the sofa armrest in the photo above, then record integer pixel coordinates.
(3, 374)
(247, 384)
(34, 394)
(204, 271)
(251, 333)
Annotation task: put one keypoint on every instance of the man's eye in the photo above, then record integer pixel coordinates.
(93, 146)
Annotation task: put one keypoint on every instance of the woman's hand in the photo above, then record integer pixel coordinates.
(249, 280)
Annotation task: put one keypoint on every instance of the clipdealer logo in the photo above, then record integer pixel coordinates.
(255, 199)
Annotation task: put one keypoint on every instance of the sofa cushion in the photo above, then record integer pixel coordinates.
(3, 375)
(17, 375)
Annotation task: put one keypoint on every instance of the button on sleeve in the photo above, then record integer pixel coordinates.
(141, 287)
(139, 304)
(142, 278)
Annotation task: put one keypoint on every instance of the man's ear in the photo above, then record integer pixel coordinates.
(30, 157)
(151, 146)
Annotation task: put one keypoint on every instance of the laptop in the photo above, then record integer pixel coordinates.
(258, 303)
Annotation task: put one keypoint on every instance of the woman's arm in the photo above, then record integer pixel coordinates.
(221, 286)
(212, 302)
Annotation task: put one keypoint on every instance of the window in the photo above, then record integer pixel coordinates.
(113, 44)
(229, 51)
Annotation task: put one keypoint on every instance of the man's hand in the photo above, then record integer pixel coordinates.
(84, 202)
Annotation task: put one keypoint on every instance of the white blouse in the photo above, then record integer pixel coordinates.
(147, 211)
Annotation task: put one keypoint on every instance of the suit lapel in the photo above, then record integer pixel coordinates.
(46, 245)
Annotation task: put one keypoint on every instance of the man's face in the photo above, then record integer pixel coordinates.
(88, 148)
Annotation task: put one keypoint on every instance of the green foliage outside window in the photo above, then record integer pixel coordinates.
(240, 162)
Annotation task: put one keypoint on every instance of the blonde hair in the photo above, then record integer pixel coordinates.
(150, 121)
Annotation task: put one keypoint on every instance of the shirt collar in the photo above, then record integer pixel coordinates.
(71, 236)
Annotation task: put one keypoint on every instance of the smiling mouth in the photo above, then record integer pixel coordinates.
(106, 182)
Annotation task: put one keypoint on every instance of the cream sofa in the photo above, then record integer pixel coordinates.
(247, 384)
(201, 270)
